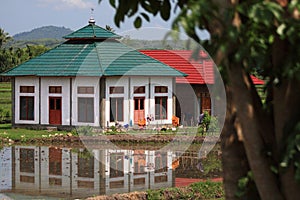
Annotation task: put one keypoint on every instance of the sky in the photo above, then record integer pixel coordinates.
(18, 16)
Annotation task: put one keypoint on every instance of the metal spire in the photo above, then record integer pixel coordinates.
(92, 20)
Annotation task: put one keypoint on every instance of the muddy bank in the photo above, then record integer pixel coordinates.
(122, 140)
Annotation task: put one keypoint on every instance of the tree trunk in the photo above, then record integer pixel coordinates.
(234, 160)
(286, 114)
(252, 130)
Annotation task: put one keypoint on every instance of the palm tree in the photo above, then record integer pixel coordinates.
(4, 37)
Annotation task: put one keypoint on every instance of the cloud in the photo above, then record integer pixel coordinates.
(66, 4)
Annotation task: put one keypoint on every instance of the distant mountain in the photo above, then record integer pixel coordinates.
(44, 32)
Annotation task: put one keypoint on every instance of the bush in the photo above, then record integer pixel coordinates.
(209, 124)
(85, 130)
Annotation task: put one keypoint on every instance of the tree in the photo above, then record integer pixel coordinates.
(4, 37)
(262, 140)
(10, 57)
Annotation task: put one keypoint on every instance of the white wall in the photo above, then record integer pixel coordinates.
(127, 82)
(162, 81)
(128, 96)
(117, 82)
(26, 81)
(88, 82)
(65, 84)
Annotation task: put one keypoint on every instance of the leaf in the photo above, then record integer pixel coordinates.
(280, 29)
(112, 3)
(146, 17)
(165, 10)
(138, 22)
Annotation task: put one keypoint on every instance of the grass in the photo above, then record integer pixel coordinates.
(5, 101)
(200, 190)
(7, 133)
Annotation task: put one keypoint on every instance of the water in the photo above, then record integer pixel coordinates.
(49, 172)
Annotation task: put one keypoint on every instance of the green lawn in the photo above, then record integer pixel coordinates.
(6, 132)
(5, 101)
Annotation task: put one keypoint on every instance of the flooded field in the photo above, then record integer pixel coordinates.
(51, 172)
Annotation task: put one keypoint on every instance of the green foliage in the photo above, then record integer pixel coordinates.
(5, 102)
(291, 153)
(85, 130)
(209, 124)
(246, 185)
(23, 135)
(200, 190)
(208, 189)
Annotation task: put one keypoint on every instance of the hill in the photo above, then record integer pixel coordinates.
(53, 32)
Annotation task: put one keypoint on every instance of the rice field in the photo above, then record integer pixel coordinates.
(5, 101)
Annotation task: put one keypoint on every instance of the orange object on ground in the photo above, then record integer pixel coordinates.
(175, 121)
(142, 122)
(175, 164)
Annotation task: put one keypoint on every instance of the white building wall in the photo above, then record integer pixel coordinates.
(117, 82)
(85, 82)
(5, 168)
(129, 83)
(162, 81)
(26, 81)
(65, 84)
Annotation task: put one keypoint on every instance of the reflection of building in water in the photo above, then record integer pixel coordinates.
(64, 172)
(5, 168)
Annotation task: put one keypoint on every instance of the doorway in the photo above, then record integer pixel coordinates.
(139, 109)
(55, 110)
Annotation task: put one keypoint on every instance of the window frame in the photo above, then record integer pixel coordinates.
(116, 115)
(26, 106)
(161, 89)
(27, 89)
(85, 120)
(55, 89)
(116, 90)
(85, 90)
(161, 107)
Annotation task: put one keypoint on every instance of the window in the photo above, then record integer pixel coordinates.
(55, 161)
(55, 89)
(116, 90)
(85, 165)
(85, 109)
(161, 108)
(116, 109)
(116, 165)
(139, 90)
(26, 108)
(85, 90)
(161, 161)
(26, 89)
(161, 89)
(27, 160)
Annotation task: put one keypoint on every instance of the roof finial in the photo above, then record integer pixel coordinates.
(92, 20)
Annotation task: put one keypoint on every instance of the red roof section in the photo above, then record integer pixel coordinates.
(257, 81)
(199, 71)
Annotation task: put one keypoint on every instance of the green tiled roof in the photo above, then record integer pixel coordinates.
(93, 58)
(92, 31)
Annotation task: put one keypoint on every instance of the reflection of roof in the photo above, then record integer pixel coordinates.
(200, 71)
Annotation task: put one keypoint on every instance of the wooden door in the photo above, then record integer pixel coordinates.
(139, 109)
(206, 103)
(55, 110)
